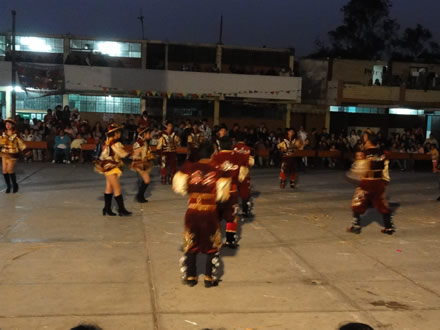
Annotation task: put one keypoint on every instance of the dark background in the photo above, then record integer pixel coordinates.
(274, 23)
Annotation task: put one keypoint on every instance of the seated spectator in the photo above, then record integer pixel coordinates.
(27, 136)
(432, 140)
(61, 148)
(75, 147)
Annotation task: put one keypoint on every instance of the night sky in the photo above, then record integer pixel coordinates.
(274, 23)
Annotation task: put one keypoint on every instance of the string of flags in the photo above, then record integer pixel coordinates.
(155, 93)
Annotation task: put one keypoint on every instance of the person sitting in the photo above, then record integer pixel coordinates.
(75, 147)
(61, 148)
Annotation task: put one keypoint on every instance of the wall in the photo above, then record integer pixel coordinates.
(94, 79)
(421, 96)
(402, 69)
(354, 71)
(371, 93)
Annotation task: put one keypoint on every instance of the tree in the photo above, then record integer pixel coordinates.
(416, 44)
(367, 31)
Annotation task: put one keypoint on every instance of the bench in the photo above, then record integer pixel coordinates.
(36, 145)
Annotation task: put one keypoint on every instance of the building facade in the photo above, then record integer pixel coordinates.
(104, 78)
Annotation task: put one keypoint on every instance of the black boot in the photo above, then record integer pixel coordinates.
(107, 210)
(231, 241)
(438, 199)
(355, 227)
(8, 182)
(388, 223)
(121, 208)
(14, 183)
(188, 268)
(211, 270)
(140, 195)
(245, 208)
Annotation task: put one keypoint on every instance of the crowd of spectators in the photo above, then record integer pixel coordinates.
(65, 132)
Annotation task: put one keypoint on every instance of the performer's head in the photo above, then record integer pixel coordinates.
(114, 131)
(370, 136)
(145, 133)
(222, 131)
(170, 127)
(206, 150)
(145, 114)
(225, 143)
(10, 124)
(195, 127)
(290, 133)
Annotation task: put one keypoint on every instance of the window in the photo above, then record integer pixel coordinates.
(109, 48)
(352, 109)
(43, 45)
(2, 45)
(106, 104)
(34, 101)
(404, 111)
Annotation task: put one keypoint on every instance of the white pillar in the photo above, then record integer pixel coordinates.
(65, 100)
(8, 104)
(217, 111)
(164, 108)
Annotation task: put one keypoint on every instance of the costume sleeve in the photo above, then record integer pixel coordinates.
(180, 183)
(281, 146)
(178, 142)
(386, 172)
(223, 189)
(190, 140)
(119, 150)
(160, 144)
(20, 143)
(251, 161)
(244, 172)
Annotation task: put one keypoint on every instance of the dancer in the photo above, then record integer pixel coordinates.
(109, 164)
(244, 186)
(288, 146)
(230, 164)
(372, 167)
(11, 145)
(142, 161)
(168, 143)
(205, 187)
(194, 139)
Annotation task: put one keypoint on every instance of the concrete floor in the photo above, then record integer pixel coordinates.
(62, 263)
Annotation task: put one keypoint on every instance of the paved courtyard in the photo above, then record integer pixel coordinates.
(62, 263)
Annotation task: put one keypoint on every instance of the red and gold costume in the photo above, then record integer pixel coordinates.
(205, 187)
(194, 140)
(244, 185)
(372, 169)
(110, 162)
(168, 144)
(142, 159)
(230, 164)
(11, 145)
(288, 146)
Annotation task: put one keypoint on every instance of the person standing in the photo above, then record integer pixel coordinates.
(11, 145)
(168, 143)
(244, 185)
(374, 176)
(109, 164)
(230, 165)
(142, 161)
(288, 146)
(205, 186)
(195, 138)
